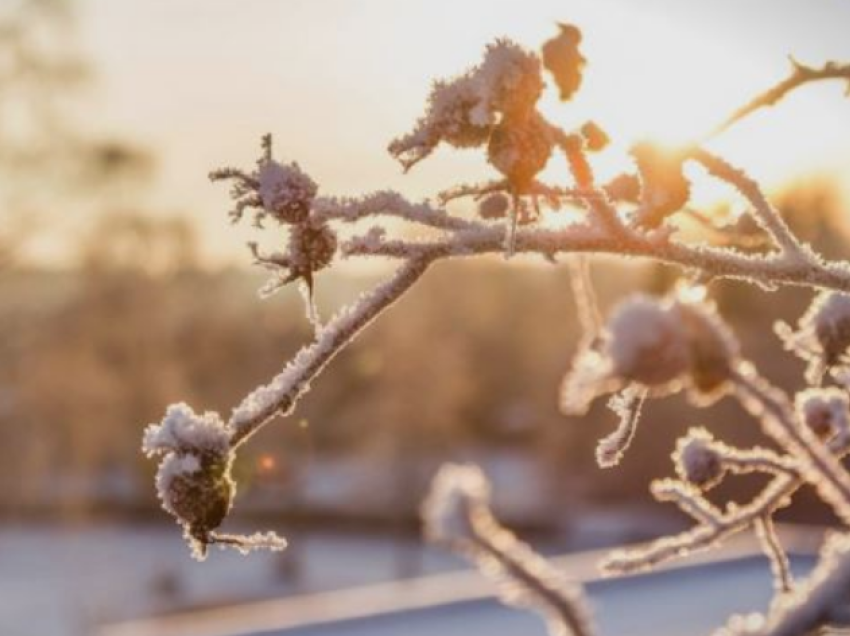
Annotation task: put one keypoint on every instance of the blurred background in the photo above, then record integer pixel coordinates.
(123, 288)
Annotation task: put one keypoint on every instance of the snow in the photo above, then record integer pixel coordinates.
(282, 187)
(62, 581)
(680, 601)
(825, 411)
(181, 431)
(457, 492)
(647, 343)
(462, 111)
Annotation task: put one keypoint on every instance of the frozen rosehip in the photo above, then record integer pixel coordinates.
(698, 462)
(519, 148)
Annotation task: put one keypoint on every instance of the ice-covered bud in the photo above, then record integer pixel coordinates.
(184, 431)
(286, 192)
(311, 248)
(494, 206)
(664, 188)
(647, 342)
(193, 480)
(281, 191)
(823, 334)
(459, 494)
(520, 147)
(562, 58)
(198, 490)
(830, 319)
(825, 412)
(697, 459)
(713, 349)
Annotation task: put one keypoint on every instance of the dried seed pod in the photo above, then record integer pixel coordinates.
(562, 58)
(286, 192)
(494, 206)
(519, 148)
(823, 334)
(198, 490)
(825, 411)
(697, 461)
(311, 248)
(647, 342)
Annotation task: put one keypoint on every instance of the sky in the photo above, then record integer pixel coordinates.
(199, 81)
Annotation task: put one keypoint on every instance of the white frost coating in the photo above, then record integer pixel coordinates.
(182, 430)
(825, 411)
(287, 386)
(457, 491)
(282, 186)
(823, 334)
(627, 405)
(456, 513)
(245, 544)
(462, 111)
(809, 607)
(646, 342)
(697, 460)
(171, 467)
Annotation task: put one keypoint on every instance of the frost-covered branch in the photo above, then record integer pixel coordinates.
(819, 601)
(799, 76)
(281, 394)
(457, 514)
(650, 347)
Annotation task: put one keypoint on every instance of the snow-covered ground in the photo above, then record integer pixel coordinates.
(73, 581)
(63, 582)
(686, 598)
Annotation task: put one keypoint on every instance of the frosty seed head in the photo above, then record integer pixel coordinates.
(562, 58)
(183, 431)
(697, 461)
(198, 490)
(494, 206)
(286, 192)
(463, 111)
(822, 337)
(193, 480)
(664, 188)
(311, 247)
(281, 191)
(713, 349)
(647, 342)
(519, 148)
(830, 319)
(825, 412)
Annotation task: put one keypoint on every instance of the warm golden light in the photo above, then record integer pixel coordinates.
(350, 76)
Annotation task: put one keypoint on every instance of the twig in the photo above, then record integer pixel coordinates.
(800, 75)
